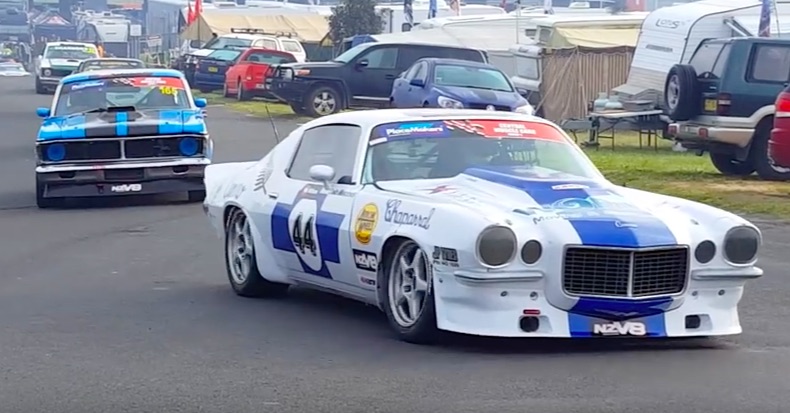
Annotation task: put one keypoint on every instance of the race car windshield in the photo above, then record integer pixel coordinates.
(79, 53)
(471, 77)
(443, 149)
(140, 92)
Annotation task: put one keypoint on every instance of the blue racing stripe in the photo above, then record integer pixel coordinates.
(170, 122)
(589, 208)
(121, 124)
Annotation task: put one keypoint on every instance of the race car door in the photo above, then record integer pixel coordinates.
(310, 222)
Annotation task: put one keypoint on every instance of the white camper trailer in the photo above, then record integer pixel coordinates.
(670, 35)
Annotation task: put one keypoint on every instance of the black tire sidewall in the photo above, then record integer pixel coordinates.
(253, 277)
(758, 154)
(729, 166)
(688, 96)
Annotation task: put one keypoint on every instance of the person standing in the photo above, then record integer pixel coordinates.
(100, 48)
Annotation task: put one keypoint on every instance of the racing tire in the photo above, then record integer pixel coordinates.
(421, 327)
(682, 92)
(298, 109)
(758, 154)
(322, 101)
(40, 89)
(42, 202)
(729, 166)
(252, 284)
(241, 95)
(196, 196)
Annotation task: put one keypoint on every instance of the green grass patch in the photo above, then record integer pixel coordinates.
(251, 107)
(686, 175)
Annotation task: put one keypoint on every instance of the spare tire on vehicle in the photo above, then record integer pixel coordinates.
(682, 93)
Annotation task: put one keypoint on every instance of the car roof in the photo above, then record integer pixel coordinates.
(111, 59)
(110, 73)
(459, 62)
(371, 118)
(78, 44)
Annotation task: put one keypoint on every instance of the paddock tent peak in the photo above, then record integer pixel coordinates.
(596, 37)
(310, 28)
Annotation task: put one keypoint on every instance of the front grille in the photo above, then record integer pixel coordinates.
(85, 150)
(109, 149)
(123, 175)
(485, 105)
(156, 147)
(60, 72)
(625, 273)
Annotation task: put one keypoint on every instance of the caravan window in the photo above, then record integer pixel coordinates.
(704, 58)
(527, 67)
(770, 63)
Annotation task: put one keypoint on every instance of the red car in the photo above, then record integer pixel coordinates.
(247, 78)
(779, 144)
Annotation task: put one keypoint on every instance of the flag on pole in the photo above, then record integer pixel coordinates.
(408, 13)
(198, 8)
(765, 19)
(190, 14)
(455, 6)
(432, 8)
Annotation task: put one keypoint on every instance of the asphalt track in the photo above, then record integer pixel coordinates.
(126, 308)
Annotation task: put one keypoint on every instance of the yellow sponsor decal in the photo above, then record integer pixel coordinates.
(167, 90)
(366, 222)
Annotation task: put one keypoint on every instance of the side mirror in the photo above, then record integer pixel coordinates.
(417, 82)
(200, 102)
(362, 63)
(522, 91)
(42, 112)
(322, 173)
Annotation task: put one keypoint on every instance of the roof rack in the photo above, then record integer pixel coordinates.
(261, 31)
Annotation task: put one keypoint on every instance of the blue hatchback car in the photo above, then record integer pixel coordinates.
(457, 84)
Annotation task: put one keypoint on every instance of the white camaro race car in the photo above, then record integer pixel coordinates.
(477, 222)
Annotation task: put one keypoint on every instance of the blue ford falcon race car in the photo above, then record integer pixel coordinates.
(121, 132)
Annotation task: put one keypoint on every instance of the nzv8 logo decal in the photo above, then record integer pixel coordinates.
(126, 188)
(620, 328)
(366, 261)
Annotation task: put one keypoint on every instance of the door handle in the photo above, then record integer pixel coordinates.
(389, 77)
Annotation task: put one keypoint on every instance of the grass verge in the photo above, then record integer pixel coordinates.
(686, 175)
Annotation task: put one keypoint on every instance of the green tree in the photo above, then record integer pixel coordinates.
(353, 17)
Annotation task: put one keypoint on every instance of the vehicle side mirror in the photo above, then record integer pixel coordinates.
(417, 82)
(200, 102)
(522, 91)
(362, 63)
(42, 112)
(322, 173)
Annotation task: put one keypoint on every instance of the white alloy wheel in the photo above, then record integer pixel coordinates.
(673, 92)
(408, 285)
(324, 103)
(239, 249)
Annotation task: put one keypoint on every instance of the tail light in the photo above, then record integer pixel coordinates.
(783, 105)
(723, 103)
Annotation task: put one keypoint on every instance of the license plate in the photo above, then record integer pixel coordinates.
(260, 86)
(710, 105)
(213, 69)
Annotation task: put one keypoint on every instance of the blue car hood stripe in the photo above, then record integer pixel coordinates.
(153, 122)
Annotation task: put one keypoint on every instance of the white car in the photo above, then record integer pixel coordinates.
(59, 60)
(477, 222)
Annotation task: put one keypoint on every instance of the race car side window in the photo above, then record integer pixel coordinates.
(333, 145)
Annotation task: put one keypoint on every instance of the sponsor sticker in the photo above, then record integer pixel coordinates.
(366, 261)
(620, 328)
(126, 188)
(367, 281)
(410, 129)
(447, 257)
(86, 85)
(394, 214)
(565, 187)
(365, 224)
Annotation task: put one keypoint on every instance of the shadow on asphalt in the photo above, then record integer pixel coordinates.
(367, 320)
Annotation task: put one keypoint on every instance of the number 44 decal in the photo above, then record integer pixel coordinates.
(304, 236)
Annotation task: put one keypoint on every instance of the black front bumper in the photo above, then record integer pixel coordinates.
(114, 182)
(290, 91)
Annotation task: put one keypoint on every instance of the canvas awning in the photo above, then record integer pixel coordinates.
(309, 28)
(597, 38)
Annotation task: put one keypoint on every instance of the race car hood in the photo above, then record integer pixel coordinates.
(491, 97)
(122, 124)
(56, 63)
(601, 213)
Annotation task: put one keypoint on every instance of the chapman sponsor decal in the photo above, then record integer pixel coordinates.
(396, 214)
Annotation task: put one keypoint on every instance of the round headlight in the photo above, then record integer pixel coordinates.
(705, 252)
(56, 152)
(741, 245)
(531, 252)
(496, 246)
(188, 146)
(47, 72)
